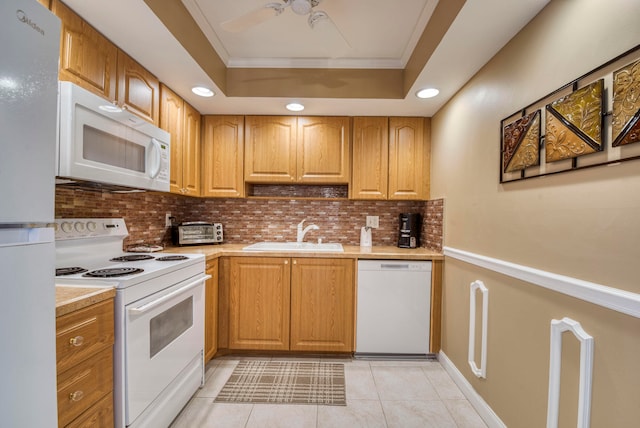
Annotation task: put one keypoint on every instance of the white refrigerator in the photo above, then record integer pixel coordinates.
(29, 53)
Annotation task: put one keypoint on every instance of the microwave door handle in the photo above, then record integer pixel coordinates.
(147, 307)
(154, 173)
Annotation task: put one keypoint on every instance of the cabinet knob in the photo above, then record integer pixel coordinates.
(76, 341)
(286, 262)
(76, 396)
(295, 262)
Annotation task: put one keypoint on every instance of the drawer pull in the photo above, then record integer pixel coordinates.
(76, 396)
(76, 341)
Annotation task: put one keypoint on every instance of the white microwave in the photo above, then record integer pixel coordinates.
(101, 143)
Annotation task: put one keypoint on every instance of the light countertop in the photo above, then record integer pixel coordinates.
(72, 298)
(350, 251)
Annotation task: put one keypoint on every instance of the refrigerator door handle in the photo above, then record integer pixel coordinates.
(13, 236)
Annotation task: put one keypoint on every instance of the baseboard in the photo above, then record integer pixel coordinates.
(486, 413)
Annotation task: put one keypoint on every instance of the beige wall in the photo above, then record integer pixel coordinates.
(582, 224)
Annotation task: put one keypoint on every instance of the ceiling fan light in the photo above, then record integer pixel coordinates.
(427, 93)
(301, 7)
(202, 91)
(295, 107)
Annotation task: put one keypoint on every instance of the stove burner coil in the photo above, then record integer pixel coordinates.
(171, 258)
(113, 272)
(132, 258)
(69, 271)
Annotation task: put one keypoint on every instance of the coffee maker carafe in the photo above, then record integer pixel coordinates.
(409, 230)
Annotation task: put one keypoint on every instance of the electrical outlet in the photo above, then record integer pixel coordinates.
(167, 220)
(373, 221)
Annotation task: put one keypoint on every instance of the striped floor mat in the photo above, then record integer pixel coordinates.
(288, 382)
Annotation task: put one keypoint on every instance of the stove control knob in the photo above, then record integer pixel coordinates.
(92, 226)
(79, 226)
(66, 226)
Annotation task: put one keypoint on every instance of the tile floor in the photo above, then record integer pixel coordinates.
(389, 394)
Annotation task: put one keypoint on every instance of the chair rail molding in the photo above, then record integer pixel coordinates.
(616, 299)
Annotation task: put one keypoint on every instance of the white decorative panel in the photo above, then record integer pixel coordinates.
(555, 365)
(484, 292)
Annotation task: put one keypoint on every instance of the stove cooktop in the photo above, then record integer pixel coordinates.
(90, 251)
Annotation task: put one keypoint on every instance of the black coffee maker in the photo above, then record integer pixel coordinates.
(409, 230)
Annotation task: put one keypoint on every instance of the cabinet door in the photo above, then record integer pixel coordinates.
(270, 149)
(322, 305)
(211, 311)
(259, 302)
(86, 57)
(172, 121)
(138, 90)
(370, 167)
(323, 151)
(408, 158)
(223, 156)
(191, 151)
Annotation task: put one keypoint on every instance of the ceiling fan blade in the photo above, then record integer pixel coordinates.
(248, 20)
(321, 22)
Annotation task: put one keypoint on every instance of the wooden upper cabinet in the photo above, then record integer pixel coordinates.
(138, 89)
(172, 121)
(270, 149)
(87, 58)
(191, 151)
(289, 149)
(322, 305)
(182, 122)
(370, 168)
(259, 303)
(90, 60)
(223, 156)
(323, 154)
(409, 161)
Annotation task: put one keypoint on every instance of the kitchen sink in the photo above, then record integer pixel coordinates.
(295, 246)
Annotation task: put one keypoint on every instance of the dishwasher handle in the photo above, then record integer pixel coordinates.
(394, 266)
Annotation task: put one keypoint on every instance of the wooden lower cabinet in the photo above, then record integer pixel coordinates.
(298, 304)
(84, 348)
(322, 305)
(100, 415)
(211, 310)
(259, 298)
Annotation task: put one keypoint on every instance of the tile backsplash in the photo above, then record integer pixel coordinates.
(251, 220)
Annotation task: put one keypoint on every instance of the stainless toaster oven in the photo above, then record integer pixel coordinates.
(197, 232)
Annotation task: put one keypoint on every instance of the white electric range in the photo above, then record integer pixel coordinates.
(159, 316)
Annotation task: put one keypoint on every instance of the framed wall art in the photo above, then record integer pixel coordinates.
(591, 121)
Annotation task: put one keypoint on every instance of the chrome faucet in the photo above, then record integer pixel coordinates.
(302, 232)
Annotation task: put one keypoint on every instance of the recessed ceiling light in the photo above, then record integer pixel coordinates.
(427, 93)
(295, 107)
(202, 91)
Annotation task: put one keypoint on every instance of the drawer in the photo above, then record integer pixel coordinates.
(83, 333)
(84, 385)
(100, 415)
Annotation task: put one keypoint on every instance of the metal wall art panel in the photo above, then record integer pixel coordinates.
(626, 105)
(522, 143)
(573, 126)
(591, 121)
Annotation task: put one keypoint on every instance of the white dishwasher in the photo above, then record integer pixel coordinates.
(394, 308)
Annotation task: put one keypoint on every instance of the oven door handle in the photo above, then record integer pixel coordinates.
(148, 306)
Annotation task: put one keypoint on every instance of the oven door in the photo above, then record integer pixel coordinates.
(163, 333)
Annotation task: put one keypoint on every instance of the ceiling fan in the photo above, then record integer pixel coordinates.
(269, 10)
